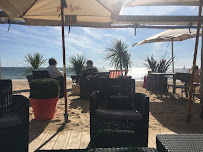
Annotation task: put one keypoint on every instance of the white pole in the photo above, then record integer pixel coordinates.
(172, 56)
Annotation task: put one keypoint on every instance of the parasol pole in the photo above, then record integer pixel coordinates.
(0, 68)
(201, 80)
(63, 5)
(172, 55)
(188, 115)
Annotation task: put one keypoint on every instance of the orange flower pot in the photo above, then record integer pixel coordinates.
(44, 109)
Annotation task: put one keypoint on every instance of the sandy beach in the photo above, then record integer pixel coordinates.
(167, 114)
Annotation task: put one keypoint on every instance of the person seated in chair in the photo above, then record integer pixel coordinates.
(89, 70)
(55, 73)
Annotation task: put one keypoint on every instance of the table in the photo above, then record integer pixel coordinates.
(183, 77)
(179, 142)
(157, 82)
(129, 149)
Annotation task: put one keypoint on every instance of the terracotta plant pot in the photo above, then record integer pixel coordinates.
(44, 109)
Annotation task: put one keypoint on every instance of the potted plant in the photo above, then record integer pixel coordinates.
(34, 61)
(77, 64)
(44, 94)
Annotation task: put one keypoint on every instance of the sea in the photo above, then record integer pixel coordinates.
(16, 73)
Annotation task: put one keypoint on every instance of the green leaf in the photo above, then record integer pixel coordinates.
(77, 63)
(118, 55)
(34, 61)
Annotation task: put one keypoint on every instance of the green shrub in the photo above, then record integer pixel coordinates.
(77, 64)
(44, 89)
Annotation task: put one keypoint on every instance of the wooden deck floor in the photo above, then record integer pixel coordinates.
(62, 140)
(66, 140)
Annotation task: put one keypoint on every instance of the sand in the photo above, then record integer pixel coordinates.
(167, 114)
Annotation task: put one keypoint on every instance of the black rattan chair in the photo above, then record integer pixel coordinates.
(107, 85)
(14, 120)
(119, 117)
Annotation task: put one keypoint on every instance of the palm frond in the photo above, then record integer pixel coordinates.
(34, 61)
(118, 55)
(77, 63)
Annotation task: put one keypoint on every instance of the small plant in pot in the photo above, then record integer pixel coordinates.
(77, 64)
(44, 94)
(34, 61)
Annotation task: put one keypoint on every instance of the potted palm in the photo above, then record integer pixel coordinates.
(151, 64)
(157, 82)
(43, 98)
(34, 61)
(77, 64)
(118, 55)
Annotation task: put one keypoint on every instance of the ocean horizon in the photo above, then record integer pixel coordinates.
(16, 73)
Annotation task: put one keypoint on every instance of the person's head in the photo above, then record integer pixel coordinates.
(195, 67)
(89, 63)
(52, 61)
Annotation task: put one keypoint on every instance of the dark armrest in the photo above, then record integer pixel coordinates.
(141, 102)
(94, 99)
(20, 105)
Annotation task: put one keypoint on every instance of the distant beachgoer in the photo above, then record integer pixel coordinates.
(54, 72)
(89, 70)
(144, 85)
(196, 70)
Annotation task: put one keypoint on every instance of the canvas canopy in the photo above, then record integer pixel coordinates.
(132, 3)
(47, 12)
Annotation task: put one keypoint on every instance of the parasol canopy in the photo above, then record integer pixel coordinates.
(175, 34)
(47, 12)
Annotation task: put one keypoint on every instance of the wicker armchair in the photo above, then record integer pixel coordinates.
(119, 120)
(14, 119)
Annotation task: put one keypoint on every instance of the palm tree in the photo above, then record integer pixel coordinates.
(118, 54)
(151, 64)
(77, 64)
(34, 61)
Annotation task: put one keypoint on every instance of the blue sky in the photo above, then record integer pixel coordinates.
(21, 40)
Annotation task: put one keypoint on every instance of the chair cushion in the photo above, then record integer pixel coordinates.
(119, 102)
(9, 119)
(119, 114)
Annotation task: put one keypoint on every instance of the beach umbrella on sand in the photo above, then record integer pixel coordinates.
(61, 13)
(170, 35)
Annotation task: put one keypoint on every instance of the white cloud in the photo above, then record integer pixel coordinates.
(92, 33)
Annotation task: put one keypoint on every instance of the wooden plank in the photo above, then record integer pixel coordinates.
(151, 143)
(62, 141)
(74, 142)
(49, 141)
(85, 139)
(37, 142)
